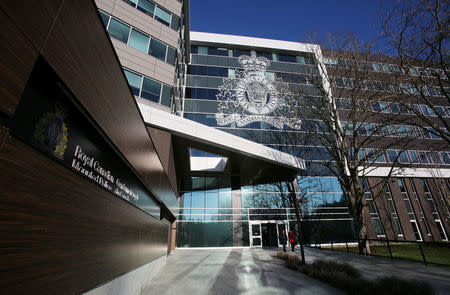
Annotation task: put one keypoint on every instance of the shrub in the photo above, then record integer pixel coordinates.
(340, 275)
(282, 255)
(294, 262)
(331, 267)
(344, 276)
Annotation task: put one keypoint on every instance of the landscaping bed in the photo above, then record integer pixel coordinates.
(347, 278)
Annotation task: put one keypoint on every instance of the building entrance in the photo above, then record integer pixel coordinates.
(265, 233)
(269, 235)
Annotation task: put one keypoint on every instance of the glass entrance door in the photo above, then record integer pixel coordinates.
(255, 235)
(269, 234)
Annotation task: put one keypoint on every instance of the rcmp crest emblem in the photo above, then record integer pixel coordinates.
(251, 96)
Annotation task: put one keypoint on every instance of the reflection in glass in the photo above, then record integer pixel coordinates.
(158, 49)
(146, 7)
(134, 80)
(139, 41)
(162, 15)
(151, 90)
(118, 30)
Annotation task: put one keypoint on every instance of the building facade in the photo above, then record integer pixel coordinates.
(194, 75)
(220, 70)
(413, 205)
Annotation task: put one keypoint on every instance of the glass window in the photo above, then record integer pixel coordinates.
(440, 111)
(139, 41)
(370, 155)
(203, 50)
(287, 58)
(171, 55)
(151, 90)
(300, 59)
(175, 24)
(158, 49)
(376, 107)
(392, 130)
(131, 2)
(426, 133)
(431, 91)
(425, 110)
(361, 155)
(162, 16)
(146, 7)
(446, 157)
(413, 71)
(413, 156)
(435, 157)
(392, 155)
(394, 108)
(198, 199)
(166, 96)
(380, 157)
(402, 131)
(345, 103)
(105, 18)
(118, 30)
(225, 199)
(134, 80)
(403, 158)
(212, 200)
(423, 157)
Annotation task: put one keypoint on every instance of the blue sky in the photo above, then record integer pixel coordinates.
(291, 20)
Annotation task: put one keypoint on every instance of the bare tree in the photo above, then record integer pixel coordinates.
(289, 197)
(344, 131)
(417, 33)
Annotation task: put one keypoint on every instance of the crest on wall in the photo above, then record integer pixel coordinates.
(51, 132)
(251, 96)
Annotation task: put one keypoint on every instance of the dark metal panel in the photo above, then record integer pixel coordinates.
(61, 234)
(17, 58)
(81, 53)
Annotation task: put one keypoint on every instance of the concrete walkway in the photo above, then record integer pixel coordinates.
(236, 271)
(256, 271)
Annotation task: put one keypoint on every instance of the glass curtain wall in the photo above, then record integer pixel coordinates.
(325, 213)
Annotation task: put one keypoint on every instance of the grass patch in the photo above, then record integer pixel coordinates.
(437, 254)
(346, 277)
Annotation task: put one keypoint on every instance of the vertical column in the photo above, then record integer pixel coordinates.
(236, 204)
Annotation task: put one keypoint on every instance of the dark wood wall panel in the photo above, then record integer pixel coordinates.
(164, 148)
(81, 54)
(60, 233)
(33, 17)
(17, 58)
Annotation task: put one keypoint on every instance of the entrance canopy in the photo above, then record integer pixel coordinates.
(221, 152)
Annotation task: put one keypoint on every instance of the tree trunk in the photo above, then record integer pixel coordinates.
(297, 208)
(363, 243)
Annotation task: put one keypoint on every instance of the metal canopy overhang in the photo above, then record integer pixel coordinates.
(250, 162)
